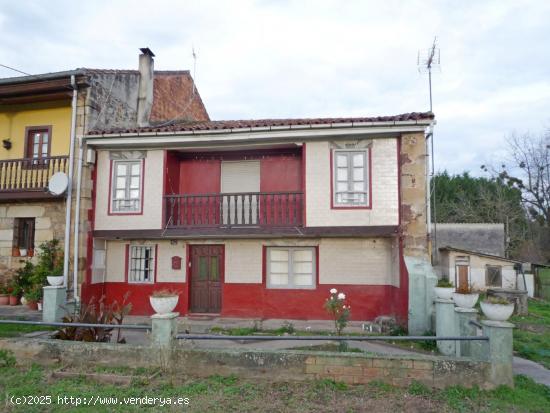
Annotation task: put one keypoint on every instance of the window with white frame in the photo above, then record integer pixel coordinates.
(350, 178)
(126, 196)
(142, 264)
(290, 267)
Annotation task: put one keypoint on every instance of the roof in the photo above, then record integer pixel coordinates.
(271, 124)
(480, 254)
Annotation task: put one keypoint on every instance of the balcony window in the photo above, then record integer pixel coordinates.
(127, 186)
(350, 178)
(142, 264)
(292, 268)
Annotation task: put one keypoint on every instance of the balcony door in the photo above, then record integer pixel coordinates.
(206, 278)
(237, 179)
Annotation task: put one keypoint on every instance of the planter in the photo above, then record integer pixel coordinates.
(32, 305)
(23, 300)
(23, 252)
(497, 312)
(55, 280)
(15, 252)
(40, 306)
(4, 299)
(164, 305)
(445, 293)
(465, 300)
(13, 300)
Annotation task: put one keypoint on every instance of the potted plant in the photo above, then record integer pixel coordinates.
(33, 296)
(14, 291)
(464, 297)
(23, 252)
(164, 301)
(497, 308)
(4, 296)
(444, 289)
(56, 279)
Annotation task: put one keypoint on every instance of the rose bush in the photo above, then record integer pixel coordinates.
(337, 308)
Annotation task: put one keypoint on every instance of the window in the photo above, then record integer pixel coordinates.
(142, 264)
(23, 234)
(350, 178)
(38, 143)
(493, 276)
(126, 182)
(291, 267)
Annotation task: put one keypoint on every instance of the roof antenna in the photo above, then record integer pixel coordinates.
(194, 68)
(426, 60)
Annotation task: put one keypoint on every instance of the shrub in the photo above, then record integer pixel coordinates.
(336, 306)
(164, 293)
(496, 300)
(444, 284)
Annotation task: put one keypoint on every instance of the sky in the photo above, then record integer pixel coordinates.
(290, 59)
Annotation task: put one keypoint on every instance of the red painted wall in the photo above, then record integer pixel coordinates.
(200, 176)
(171, 173)
(280, 174)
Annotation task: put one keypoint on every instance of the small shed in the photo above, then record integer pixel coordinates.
(477, 270)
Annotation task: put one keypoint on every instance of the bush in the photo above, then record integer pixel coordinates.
(336, 306)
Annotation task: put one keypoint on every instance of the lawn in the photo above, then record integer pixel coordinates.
(532, 333)
(226, 394)
(14, 330)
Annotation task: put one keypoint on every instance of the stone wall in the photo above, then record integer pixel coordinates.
(281, 365)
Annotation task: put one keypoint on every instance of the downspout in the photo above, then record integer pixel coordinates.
(77, 219)
(67, 242)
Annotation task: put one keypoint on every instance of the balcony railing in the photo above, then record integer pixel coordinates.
(247, 209)
(28, 174)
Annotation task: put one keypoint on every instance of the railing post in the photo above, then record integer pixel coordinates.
(164, 329)
(445, 325)
(500, 351)
(465, 329)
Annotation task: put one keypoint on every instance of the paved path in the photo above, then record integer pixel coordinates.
(529, 368)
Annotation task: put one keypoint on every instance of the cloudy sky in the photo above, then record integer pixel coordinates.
(270, 59)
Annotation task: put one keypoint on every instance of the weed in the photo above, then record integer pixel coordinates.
(7, 359)
(329, 384)
(419, 389)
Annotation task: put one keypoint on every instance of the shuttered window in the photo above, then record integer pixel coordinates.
(23, 233)
(350, 180)
(126, 186)
(238, 178)
(142, 264)
(292, 267)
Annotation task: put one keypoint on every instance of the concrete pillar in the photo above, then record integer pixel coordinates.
(463, 316)
(422, 280)
(53, 302)
(445, 325)
(500, 351)
(164, 329)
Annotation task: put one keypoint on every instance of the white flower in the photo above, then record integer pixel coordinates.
(341, 296)
(333, 290)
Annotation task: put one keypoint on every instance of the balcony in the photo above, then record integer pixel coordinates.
(28, 178)
(253, 210)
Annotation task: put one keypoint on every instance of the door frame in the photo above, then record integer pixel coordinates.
(188, 248)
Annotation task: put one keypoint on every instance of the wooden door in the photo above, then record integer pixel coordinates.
(206, 278)
(462, 276)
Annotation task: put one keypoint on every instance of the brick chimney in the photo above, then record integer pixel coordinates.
(145, 92)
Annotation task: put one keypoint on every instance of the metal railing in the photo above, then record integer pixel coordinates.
(87, 325)
(259, 209)
(331, 338)
(30, 174)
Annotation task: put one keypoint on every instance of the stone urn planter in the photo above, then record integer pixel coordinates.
(465, 300)
(164, 302)
(497, 309)
(55, 280)
(444, 290)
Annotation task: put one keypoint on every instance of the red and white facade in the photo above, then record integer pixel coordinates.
(257, 220)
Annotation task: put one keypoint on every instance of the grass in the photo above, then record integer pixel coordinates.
(231, 394)
(532, 333)
(14, 330)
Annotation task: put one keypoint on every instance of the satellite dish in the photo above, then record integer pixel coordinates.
(58, 183)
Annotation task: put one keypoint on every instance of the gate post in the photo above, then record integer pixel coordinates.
(500, 347)
(54, 298)
(164, 329)
(465, 329)
(445, 325)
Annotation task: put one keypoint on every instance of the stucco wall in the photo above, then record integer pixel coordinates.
(384, 187)
(152, 195)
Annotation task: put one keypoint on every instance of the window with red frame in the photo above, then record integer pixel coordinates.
(38, 143)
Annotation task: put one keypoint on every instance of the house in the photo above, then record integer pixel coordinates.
(259, 218)
(40, 119)
(488, 238)
(477, 270)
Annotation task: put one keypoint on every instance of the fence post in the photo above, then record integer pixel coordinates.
(463, 317)
(164, 328)
(500, 351)
(445, 325)
(54, 298)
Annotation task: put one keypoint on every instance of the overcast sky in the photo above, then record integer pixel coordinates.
(273, 59)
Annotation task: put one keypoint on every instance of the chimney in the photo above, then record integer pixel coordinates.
(145, 92)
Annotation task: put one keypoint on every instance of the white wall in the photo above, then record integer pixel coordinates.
(152, 195)
(385, 199)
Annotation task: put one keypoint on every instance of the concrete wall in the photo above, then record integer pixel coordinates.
(384, 200)
(486, 238)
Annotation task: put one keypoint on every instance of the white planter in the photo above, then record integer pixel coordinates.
(39, 306)
(497, 312)
(164, 305)
(465, 300)
(445, 293)
(55, 280)
(23, 300)
(23, 252)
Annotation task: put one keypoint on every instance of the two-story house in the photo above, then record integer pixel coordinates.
(260, 218)
(41, 117)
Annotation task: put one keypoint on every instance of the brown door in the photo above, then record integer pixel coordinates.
(206, 278)
(462, 275)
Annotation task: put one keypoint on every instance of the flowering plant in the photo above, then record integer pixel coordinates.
(336, 306)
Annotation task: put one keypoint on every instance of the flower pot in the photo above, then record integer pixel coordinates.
(164, 305)
(4, 299)
(445, 293)
(55, 280)
(32, 305)
(15, 252)
(23, 252)
(23, 300)
(465, 300)
(40, 306)
(497, 312)
(13, 300)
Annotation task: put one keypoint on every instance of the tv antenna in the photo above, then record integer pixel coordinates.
(194, 67)
(427, 60)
